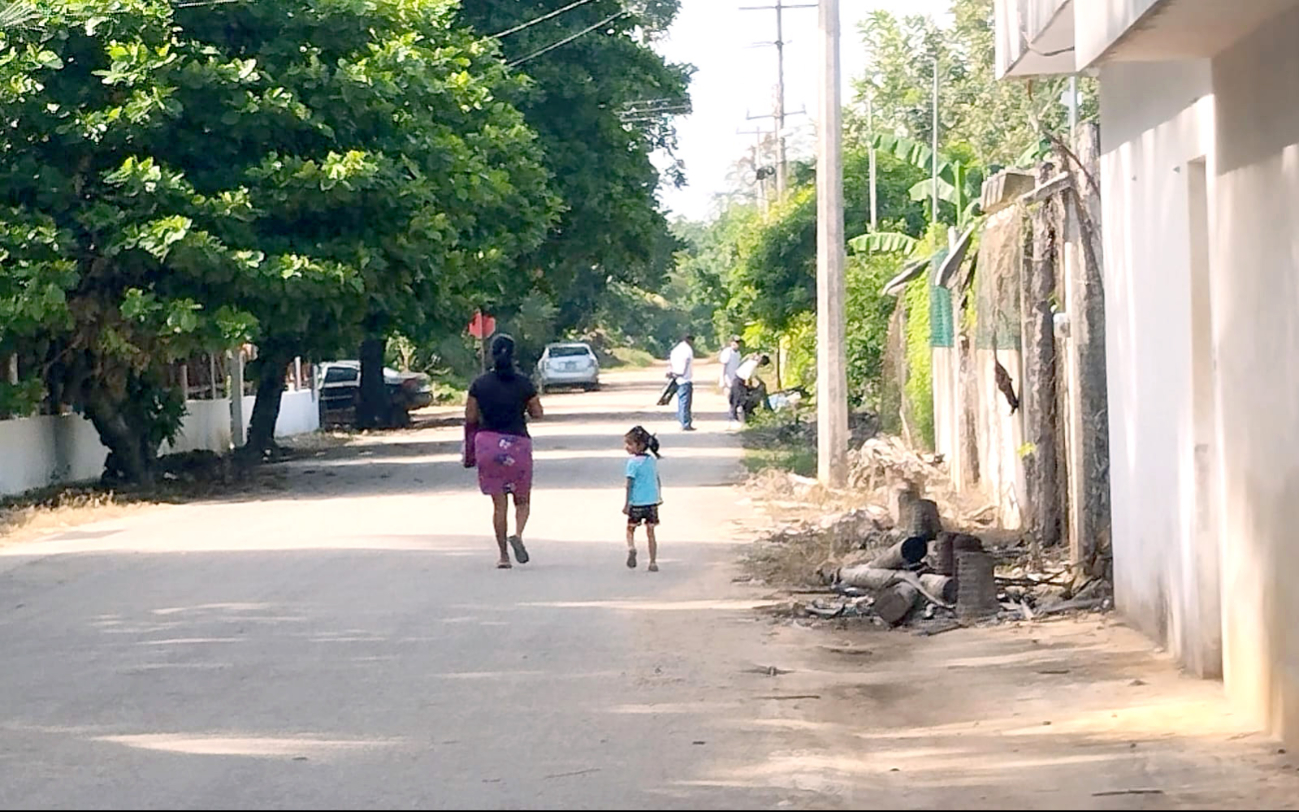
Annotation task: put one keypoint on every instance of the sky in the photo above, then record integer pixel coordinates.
(736, 78)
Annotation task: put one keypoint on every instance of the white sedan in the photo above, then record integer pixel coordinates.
(568, 364)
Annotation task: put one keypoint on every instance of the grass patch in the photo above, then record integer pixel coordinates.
(627, 358)
(775, 441)
(448, 393)
(800, 461)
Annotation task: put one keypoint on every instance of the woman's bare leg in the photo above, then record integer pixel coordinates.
(522, 510)
(500, 510)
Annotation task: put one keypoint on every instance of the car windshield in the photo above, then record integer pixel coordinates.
(569, 351)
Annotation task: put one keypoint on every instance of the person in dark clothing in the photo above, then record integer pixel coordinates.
(747, 392)
(498, 444)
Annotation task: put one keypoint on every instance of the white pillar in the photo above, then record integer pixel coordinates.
(831, 361)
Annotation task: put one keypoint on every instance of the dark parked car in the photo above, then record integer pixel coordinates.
(339, 385)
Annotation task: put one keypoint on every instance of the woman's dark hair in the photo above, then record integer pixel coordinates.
(503, 356)
(643, 439)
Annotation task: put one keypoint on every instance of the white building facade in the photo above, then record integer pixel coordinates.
(1200, 188)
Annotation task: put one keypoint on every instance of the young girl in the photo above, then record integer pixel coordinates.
(644, 492)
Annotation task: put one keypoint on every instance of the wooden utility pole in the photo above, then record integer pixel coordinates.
(831, 357)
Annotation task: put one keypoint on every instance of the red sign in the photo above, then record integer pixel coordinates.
(481, 326)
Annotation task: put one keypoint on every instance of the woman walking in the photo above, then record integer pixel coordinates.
(497, 442)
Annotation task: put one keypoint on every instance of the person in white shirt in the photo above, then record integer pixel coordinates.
(730, 359)
(682, 363)
(743, 388)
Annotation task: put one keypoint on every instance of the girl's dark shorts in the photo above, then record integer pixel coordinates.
(648, 514)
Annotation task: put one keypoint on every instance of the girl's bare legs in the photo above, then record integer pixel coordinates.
(631, 546)
(500, 510)
(653, 548)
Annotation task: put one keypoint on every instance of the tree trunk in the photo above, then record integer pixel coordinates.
(131, 459)
(272, 372)
(372, 410)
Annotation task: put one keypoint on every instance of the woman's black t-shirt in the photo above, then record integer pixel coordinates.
(503, 402)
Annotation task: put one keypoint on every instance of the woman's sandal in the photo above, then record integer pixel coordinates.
(520, 552)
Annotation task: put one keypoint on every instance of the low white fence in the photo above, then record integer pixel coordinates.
(50, 450)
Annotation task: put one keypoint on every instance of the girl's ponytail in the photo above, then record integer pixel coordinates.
(645, 440)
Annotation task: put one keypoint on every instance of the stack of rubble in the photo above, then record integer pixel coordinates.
(899, 565)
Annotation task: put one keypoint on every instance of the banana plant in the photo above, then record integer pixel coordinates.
(954, 186)
(13, 15)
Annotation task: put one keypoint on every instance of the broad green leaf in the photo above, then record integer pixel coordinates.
(884, 242)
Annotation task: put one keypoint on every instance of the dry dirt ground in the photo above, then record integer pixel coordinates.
(343, 641)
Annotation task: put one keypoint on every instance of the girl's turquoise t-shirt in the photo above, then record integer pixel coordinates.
(643, 471)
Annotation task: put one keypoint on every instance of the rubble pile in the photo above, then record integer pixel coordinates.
(894, 561)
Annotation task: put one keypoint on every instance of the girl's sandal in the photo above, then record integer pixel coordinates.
(504, 565)
(631, 558)
(653, 567)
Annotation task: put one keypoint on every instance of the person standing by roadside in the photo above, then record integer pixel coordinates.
(682, 364)
(497, 443)
(730, 358)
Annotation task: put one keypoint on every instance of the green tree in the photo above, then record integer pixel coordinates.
(601, 104)
(420, 177)
(183, 179)
(984, 122)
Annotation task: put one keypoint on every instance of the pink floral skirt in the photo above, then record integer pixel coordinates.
(504, 463)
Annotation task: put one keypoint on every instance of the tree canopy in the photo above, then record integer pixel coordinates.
(178, 179)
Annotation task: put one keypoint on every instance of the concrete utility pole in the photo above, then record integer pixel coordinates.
(831, 357)
(934, 179)
(757, 152)
(779, 114)
(870, 135)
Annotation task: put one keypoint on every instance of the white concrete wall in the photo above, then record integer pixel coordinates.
(206, 427)
(1156, 118)
(40, 451)
(1256, 313)
(47, 450)
(299, 413)
(1098, 24)
(1000, 435)
(1034, 37)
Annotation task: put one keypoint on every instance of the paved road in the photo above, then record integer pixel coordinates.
(348, 643)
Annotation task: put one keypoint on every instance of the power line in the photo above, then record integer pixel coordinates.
(566, 40)
(540, 19)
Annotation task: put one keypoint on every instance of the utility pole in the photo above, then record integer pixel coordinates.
(934, 179)
(831, 358)
(1073, 112)
(779, 114)
(759, 177)
(870, 136)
